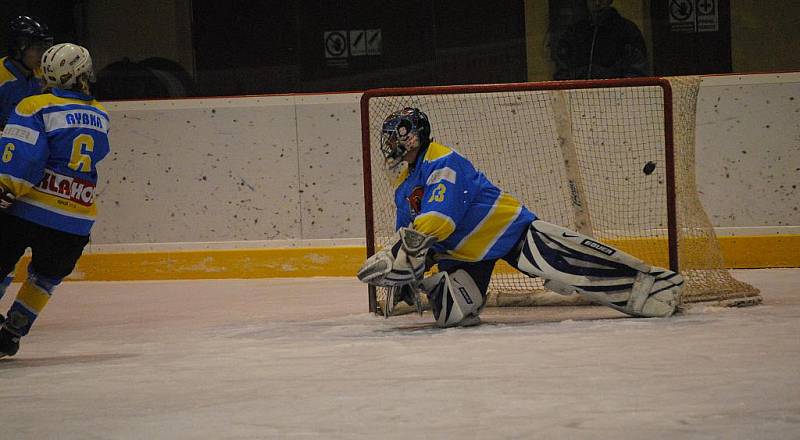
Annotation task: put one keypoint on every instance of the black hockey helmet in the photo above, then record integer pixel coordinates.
(24, 31)
(396, 128)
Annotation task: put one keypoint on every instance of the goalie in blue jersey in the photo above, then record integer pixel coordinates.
(48, 177)
(448, 210)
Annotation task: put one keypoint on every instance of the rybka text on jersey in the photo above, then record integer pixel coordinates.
(75, 119)
(78, 118)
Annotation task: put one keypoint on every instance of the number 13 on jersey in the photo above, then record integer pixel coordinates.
(438, 193)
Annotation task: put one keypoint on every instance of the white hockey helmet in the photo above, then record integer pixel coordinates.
(64, 63)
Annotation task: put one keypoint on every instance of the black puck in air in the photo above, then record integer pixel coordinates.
(649, 167)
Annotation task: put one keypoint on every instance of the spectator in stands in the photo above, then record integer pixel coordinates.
(603, 45)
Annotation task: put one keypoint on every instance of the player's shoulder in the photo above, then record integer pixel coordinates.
(444, 163)
(57, 100)
(439, 156)
(98, 105)
(80, 100)
(31, 105)
(6, 75)
(436, 152)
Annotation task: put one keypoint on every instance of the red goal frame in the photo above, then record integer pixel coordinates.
(669, 150)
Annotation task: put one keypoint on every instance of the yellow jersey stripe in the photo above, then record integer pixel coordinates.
(29, 106)
(19, 187)
(5, 74)
(399, 175)
(436, 151)
(436, 224)
(60, 205)
(475, 245)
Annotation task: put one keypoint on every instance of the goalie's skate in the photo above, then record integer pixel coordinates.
(654, 294)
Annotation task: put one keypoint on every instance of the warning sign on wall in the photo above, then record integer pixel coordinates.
(707, 16)
(335, 44)
(340, 45)
(374, 42)
(693, 15)
(358, 44)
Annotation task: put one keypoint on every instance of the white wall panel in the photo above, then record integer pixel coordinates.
(200, 170)
(329, 140)
(288, 168)
(748, 149)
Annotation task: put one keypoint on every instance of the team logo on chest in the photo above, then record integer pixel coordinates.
(415, 200)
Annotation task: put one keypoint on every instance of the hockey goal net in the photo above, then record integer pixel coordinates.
(613, 159)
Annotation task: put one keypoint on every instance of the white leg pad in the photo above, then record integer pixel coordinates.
(455, 298)
(574, 263)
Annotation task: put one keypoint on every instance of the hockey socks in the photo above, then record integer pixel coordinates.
(31, 300)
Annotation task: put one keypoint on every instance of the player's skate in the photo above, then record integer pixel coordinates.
(9, 343)
(656, 293)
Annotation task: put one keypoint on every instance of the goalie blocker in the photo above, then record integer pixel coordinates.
(568, 261)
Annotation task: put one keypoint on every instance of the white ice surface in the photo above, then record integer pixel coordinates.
(261, 359)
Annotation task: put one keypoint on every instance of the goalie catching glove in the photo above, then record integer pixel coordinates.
(403, 264)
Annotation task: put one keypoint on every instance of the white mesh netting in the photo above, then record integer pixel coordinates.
(592, 157)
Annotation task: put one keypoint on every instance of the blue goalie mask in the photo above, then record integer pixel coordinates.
(400, 129)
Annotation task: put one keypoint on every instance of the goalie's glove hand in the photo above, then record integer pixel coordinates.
(403, 264)
(7, 198)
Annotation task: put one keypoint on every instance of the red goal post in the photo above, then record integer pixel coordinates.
(594, 156)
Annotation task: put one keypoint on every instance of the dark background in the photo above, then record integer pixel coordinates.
(423, 43)
(257, 47)
(687, 53)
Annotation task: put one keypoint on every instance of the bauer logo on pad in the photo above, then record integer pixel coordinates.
(465, 294)
(598, 247)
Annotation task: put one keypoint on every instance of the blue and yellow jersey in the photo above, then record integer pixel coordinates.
(50, 149)
(14, 87)
(445, 196)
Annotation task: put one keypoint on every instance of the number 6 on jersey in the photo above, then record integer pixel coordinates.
(79, 160)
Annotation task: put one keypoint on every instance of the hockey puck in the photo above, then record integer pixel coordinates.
(649, 167)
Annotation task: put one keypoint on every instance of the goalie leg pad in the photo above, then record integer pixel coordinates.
(574, 263)
(455, 298)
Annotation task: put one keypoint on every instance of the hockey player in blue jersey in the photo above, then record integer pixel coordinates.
(48, 176)
(448, 210)
(27, 41)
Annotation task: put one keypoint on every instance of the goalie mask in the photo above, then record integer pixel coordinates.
(403, 131)
(63, 64)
